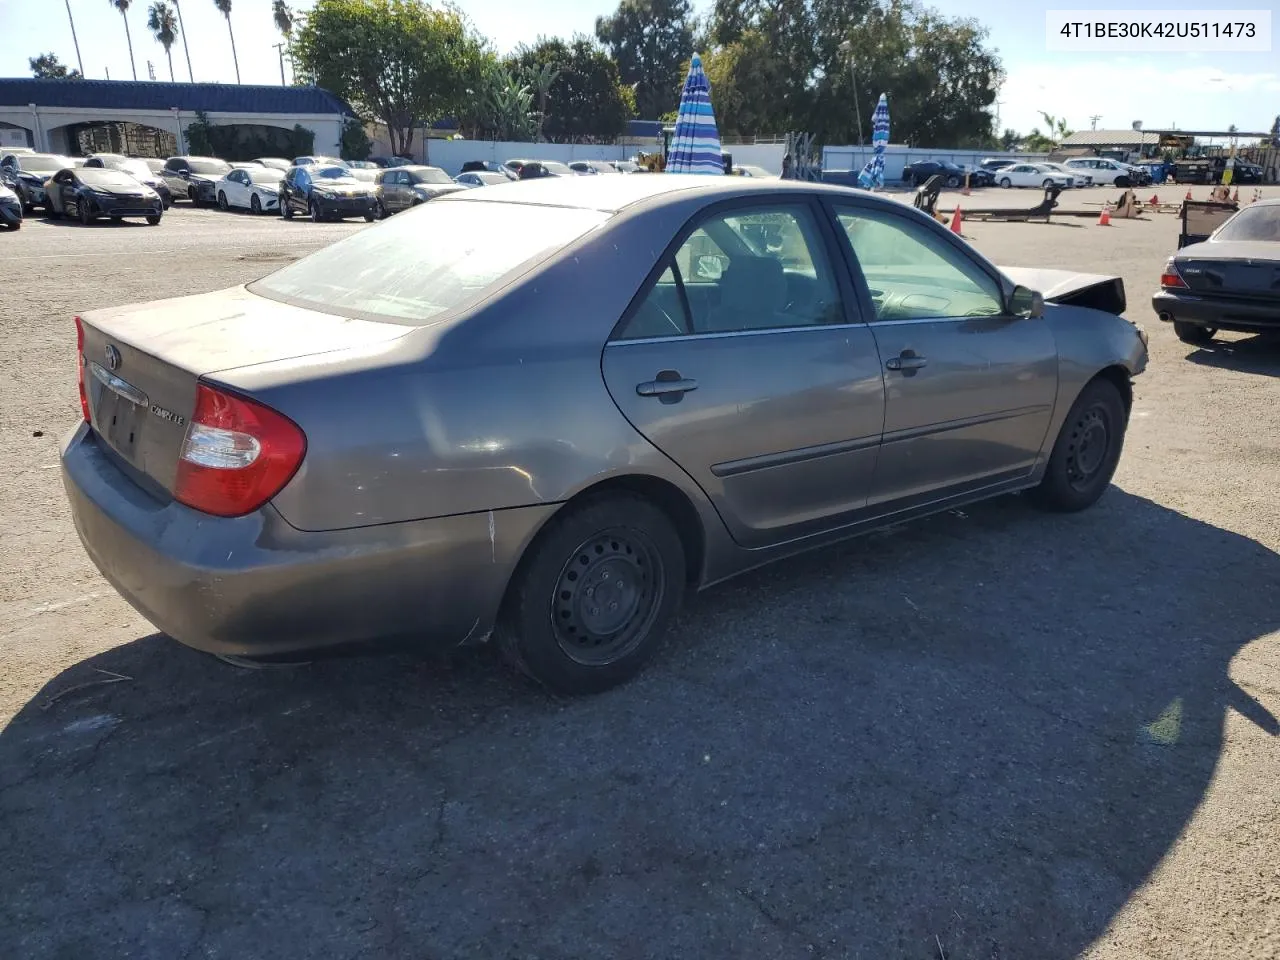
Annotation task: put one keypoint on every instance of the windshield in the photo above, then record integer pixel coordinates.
(207, 167)
(430, 175)
(135, 168)
(43, 163)
(1252, 223)
(155, 165)
(432, 259)
(333, 173)
(266, 176)
(99, 177)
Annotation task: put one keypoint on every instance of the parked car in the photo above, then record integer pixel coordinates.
(751, 170)
(1104, 171)
(978, 176)
(1241, 172)
(538, 168)
(1031, 175)
(256, 190)
(134, 168)
(403, 187)
(362, 165)
(25, 174)
(419, 431)
(327, 193)
(10, 209)
(480, 178)
(396, 161)
(192, 178)
(490, 166)
(90, 193)
(628, 166)
(154, 164)
(992, 164)
(276, 163)
(319, 161)
(1227, 282)
(1078, 177)
(915, 174)
(590, 168)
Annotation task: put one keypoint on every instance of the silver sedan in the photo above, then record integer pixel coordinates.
(544, 414)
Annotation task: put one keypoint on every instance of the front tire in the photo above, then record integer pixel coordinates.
(255, 205)
(953, 182)
(594, 595)
(222, 201)
(286, 208)
(194, 196)
(86, 217)
(1123, 183)
(1006, 183)
(314, 208)
(1087, 450)
(154, 219)
(1193, 333)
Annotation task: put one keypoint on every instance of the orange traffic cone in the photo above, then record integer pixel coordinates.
(1188, 196)
(956, 220)
(1104, 218)
(1155, 200)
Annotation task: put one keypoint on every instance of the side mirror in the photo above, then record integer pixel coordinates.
(709, 267)
(1026, 303)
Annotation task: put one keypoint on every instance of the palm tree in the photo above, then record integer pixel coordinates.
(224, 7)
(123, 7)
(182, 31)
(540, 79)
(285, 18)
(163, 24)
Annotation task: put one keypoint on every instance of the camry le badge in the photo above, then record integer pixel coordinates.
(113, 357)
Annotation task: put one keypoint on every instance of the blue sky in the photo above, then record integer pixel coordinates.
(1193, 91)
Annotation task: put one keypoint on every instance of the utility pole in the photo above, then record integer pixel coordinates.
(999, 104)
(151, 70)
(280, 50)
(74, 38)
(847, 49)
(1094, 120)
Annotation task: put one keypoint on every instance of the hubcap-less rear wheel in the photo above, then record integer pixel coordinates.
(255, 204)
(607, 596)
(594, 594)
(1193, 333)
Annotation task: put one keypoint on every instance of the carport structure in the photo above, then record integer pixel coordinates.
(77, 116)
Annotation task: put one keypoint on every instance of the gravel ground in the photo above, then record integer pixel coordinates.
(992, 734)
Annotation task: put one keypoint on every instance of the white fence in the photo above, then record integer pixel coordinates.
(895, 158)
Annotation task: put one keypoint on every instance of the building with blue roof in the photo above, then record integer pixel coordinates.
(63, 116)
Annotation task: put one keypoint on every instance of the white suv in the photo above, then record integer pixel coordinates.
(1103, 170)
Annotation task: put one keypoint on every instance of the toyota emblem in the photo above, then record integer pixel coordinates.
(113, 357)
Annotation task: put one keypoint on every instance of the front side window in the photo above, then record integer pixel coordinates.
(914, 274)
(752, 269)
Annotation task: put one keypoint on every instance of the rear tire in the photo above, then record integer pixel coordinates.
(382, 211)
(194, 196)
(1087, 450)
(593, 595)
(286, 208)
(222, 201)
(1193, 333)
(86, 217)
(154, 220)
(953, 182)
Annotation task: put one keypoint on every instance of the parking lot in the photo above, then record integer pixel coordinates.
(995, 733)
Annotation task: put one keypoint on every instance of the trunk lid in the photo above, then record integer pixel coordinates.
(142, 363)
(1245, 269)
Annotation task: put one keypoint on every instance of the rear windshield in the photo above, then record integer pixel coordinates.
(430, 175)
(427, 261)
(1252, 223)
(209, 166)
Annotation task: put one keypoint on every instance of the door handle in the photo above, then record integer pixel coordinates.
(908, 362)
(668, 386)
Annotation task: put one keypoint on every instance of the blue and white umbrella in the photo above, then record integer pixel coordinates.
(695, 147)
(872, 174)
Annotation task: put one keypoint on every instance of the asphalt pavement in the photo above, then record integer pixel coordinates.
(995, 733)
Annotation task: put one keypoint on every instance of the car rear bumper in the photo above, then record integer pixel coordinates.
(1226, 314)
(254, 586)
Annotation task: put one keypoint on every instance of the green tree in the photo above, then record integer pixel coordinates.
(1058, 129)
(401, 61)
(1010, 139)
(122, 6)
(163, 24)
(47, 66)
(540, 79)
(355, 144)
(587, 102)
(510, 108)
(224, 8)
(650, 40)
(1037, 142)
(284, 17)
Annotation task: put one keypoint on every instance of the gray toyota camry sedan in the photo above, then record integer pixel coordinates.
(544, 413)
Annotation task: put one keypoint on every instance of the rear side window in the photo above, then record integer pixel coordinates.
(427, 261)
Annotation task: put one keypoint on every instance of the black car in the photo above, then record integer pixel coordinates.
(25, 174)
(10, 209)
(914, 174)
(1241, 172)
(193, 178)
(135, 168)
(1229, 282)
(93, 192)
(327, 193)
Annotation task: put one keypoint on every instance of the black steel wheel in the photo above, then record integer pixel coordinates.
(194, 196)
(594, 595)
(286, 208)
(953, 182)
(222, 201)
(255, 205)
(314, 208)
(82, 207)
(1087, 450)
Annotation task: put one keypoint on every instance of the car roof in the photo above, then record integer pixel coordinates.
(612, 194)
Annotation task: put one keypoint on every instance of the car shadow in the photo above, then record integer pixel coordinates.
(1257, 354)
(99, 222)
(981, 731)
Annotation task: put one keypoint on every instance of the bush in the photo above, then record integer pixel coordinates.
(356, 144)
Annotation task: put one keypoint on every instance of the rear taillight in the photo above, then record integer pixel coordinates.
(237, 455)
(1170, 277)
(84, 394)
